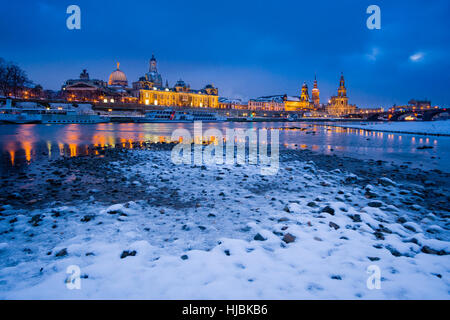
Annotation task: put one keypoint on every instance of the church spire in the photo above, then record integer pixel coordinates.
(316, 93)
(342, 91)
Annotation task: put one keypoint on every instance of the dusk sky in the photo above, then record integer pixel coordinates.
(245, 48)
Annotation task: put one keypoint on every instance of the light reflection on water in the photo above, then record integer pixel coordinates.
(20, 144)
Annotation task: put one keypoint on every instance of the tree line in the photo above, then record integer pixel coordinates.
(13, 80)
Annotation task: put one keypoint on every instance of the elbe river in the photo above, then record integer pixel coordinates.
(22, 144)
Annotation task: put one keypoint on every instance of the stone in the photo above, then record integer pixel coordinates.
(61, 253)
(87, 218)
(334, 225)
(328, 210)
(127, 253)
(375, 204)
(429, 250)
(288, 238)
(312, 204)
(259, 237)
(386, 182)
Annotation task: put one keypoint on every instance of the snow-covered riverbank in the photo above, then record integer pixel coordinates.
(226, 232)
(438, 128)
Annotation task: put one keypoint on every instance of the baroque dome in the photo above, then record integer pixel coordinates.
(118, 78)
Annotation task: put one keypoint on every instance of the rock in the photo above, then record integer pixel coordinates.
(386, 182)
(286, 208)
(36, 219)
(373, 258)
(355, 217)
(127, 253)
(61, 253)
(379, 235)
(87, 218)
(429, 250)
(312, 204)
(259, 237)
(328, 210)
(375, 204)
(283, 219)
(184, 257)
(288, 238)
(336, 277)
(401, 220)
(394, 251)
(333, 225)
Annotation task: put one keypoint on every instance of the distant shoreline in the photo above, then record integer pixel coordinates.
(393, 131)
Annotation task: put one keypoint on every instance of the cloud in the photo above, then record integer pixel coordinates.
(416, 57)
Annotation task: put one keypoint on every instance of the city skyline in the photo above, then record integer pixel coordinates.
(382, 67)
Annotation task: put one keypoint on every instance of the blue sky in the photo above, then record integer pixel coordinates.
(246, 48)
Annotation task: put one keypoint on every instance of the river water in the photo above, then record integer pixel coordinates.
(21, 144)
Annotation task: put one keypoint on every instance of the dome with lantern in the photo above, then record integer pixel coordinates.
(118, 78)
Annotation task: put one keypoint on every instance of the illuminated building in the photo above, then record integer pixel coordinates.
(268, 103)
(301, 103)
(225, 103)
(118, 78)
(84, 88)
(316, 94)
(338, 105)
(152, 79)
(149, 91)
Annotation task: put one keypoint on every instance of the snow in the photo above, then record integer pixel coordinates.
(441, 127)
(195, 239)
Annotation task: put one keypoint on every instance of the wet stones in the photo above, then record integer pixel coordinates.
(375, 204)
(428, 250)
(328, 210)
(386, 182)
(333, 225)
(36, 219)
(312, 204)
(87, 218)
(355, 217)
(288, 238)
(61, 253)
(127, 253)
(259, 237)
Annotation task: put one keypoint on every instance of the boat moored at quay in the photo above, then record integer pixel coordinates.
(172, 116)
(54, 113)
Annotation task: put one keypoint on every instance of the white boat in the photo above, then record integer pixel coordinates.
(57, 114)
(172, 116)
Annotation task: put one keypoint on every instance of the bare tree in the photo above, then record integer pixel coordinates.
(12, 78)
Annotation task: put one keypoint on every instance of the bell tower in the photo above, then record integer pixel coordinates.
(153, 64)
(304, 96)
(342, 91)
(316, 94)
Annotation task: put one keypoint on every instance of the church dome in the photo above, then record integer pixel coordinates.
(118, 78)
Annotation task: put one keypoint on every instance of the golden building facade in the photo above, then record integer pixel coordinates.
(301, 103)
(338, 105)
(150, 91)
(180, 96)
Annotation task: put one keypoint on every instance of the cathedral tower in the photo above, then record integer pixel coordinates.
(316, 94)
(153, 64)
(304, 96)
(342, 91)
